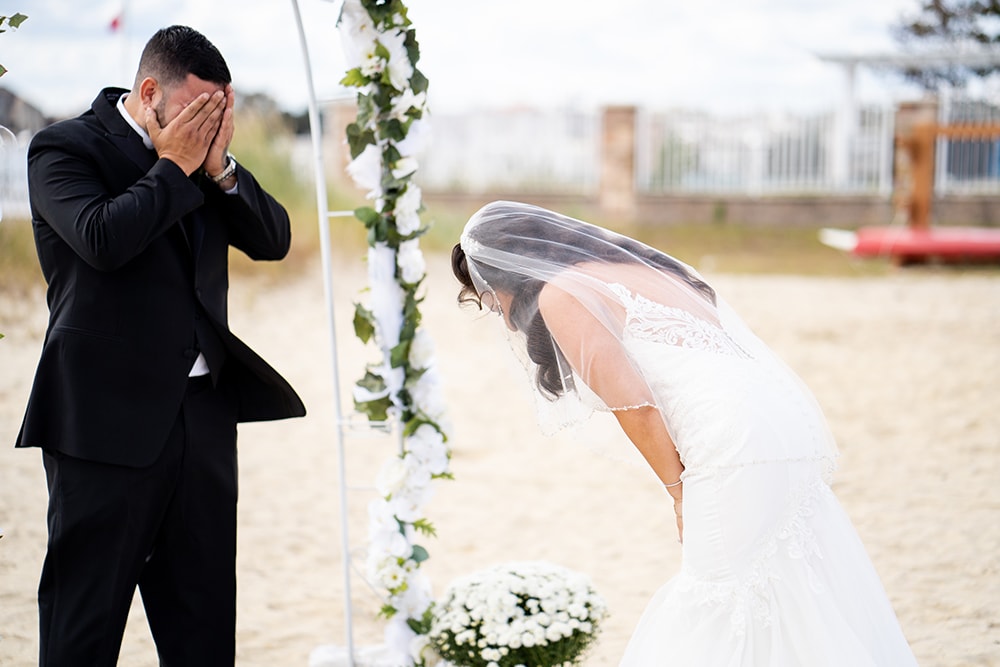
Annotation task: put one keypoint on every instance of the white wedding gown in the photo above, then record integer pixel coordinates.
(773, 572)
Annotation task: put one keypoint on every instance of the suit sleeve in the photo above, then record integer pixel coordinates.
(258, 225)
(68, 181)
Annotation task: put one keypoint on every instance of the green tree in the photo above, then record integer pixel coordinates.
(952, 26)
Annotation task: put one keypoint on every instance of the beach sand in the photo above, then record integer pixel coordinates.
(906, 367)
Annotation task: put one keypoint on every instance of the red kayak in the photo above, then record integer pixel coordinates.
(949, 244)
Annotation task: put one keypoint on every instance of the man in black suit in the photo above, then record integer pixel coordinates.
(140, 383)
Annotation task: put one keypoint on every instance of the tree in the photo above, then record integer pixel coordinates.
(955, 27)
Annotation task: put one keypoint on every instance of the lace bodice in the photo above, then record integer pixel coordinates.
(655, 322)
(701, 368)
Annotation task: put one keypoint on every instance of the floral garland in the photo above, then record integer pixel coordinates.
(404, 386)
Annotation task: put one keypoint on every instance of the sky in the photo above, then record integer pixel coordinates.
(719, 56)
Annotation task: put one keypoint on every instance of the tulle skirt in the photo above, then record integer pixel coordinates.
(774, 575)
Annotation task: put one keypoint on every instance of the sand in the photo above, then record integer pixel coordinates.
(906, 366)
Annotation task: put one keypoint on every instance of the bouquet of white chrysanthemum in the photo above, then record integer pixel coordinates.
(517, 614)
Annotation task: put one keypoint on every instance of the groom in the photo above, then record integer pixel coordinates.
(140, 383)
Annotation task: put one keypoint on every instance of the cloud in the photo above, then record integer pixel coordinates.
(728, 54)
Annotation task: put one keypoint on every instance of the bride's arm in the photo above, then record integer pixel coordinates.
(598, 357)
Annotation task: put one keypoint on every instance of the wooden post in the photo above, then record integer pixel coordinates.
(913, 163)
(921, 144)
(617, 190)
(915, 158)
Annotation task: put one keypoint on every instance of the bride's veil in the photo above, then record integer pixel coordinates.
(519, 256)
(515, 250)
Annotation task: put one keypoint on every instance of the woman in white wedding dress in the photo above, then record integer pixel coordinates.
(773, 572)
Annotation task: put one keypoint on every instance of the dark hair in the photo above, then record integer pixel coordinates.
(517, 233)
(174, 52)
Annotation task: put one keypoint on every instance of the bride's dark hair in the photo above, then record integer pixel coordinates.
(518, 233)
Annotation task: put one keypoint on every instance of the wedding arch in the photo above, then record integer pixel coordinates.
(400, 392)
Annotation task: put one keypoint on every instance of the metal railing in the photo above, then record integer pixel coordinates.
(765, 154)
(967, 166)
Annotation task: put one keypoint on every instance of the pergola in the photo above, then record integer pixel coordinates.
(911, 61)
(960, 56)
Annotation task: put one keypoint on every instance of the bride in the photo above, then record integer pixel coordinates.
(773, 572)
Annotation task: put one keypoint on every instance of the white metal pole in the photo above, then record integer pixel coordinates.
(324, 236)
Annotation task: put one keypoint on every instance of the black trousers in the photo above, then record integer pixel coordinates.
(169, 529)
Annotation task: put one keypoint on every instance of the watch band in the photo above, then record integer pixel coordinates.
(227, 172)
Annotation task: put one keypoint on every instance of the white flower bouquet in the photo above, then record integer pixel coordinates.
(517, 615)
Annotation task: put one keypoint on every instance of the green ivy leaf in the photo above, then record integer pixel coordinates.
(358, 138)
(411, 313)
(399, 354)
(387, 611)
(422, 626)
(418, 82)
(391, 155)
(382, 96)
(354, 78)
(372, 382)
(364, 323)
(419, 554)
(379, 231)
(412, 47)
(367, 110)
(367, 215)
(411, 426)
(392, 129)
(16, 20)
(380, 10)
(377, 410)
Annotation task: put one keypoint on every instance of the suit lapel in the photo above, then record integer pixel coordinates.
(119, 132)
(125, 139)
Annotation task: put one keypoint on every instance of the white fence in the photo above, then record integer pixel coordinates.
(13, 175)
(967, 166)
(677, 152)
(765, 154)
(513, 150)
(684, 152)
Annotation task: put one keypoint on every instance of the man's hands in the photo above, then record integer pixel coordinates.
(215, 159)
(199, 135)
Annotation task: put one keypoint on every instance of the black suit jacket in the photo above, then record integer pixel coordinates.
(128, 286)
